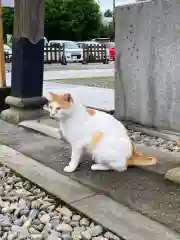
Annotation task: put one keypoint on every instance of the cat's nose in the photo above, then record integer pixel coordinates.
(52, 115)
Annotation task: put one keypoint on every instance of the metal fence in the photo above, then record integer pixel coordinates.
(8, 57)
(95, 53)
(57, 54)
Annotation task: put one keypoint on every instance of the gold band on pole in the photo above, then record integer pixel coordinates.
(2, 60)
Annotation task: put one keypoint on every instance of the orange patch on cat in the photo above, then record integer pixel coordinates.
(91, 111)
(96, 139)
(140, 159)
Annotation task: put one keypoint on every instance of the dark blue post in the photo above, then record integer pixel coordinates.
(26, 99)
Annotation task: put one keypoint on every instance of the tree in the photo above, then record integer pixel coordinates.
(72, 19)
(108, 13)
(107, 31)
(8, 14)
(65, 19)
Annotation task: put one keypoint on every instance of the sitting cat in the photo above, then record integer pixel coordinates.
(96, 132)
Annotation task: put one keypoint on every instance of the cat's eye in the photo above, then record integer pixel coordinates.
(58, 108)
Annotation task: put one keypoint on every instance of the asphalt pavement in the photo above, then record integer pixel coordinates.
(70, 74)
(71, 66)
(142, 191)
(95, 97)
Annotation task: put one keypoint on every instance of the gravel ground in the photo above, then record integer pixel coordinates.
(165, 145)
(27, 212)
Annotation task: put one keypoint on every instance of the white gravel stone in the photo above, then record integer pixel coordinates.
(76, 217)
(86, 235)
(45, 218)
(92, 232)
(65, 211)
(74, 223)
(37, 236)
(26, 212)
(18, 222)
(66, 219)
(33, 230)
(36, 204)
(95, 231)
(64, 227)
(12, 236)
(84, 222)
(80, 229)
(53, 237)
(2, 174)
(111, 236)
(99, 238)
(67, 237)
(76, 234)
(1, 191)
(55, 222)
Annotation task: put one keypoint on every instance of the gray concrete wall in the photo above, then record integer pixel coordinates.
(148, 63)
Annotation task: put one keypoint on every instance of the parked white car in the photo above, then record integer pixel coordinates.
(8, 53)
(93, 43)
(72, 52)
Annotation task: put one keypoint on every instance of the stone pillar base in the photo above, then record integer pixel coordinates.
(23, 109)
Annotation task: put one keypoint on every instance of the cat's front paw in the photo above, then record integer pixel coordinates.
(69, 169)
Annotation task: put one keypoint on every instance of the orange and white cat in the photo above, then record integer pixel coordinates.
(96, 132)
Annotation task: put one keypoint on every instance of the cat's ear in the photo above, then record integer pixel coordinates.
(68, 97)
(54, 96)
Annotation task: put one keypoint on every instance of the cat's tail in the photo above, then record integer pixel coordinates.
(140, 159)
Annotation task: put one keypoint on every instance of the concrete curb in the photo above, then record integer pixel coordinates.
(42, 128)
(119, 219)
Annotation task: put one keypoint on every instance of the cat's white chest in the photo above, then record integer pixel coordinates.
(71, 132)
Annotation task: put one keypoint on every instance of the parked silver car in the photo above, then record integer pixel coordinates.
(72, 52)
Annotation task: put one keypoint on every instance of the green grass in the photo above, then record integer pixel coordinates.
(88, 79)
